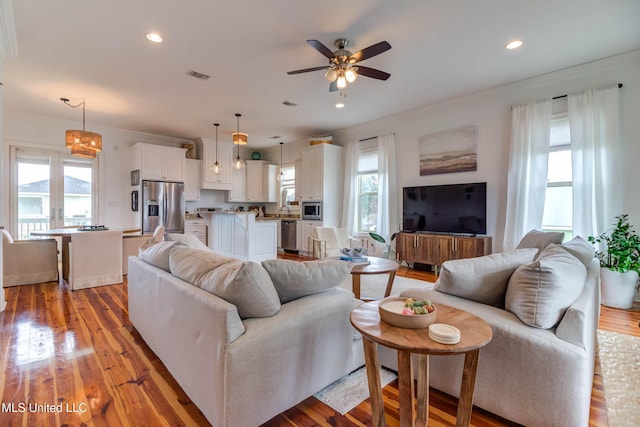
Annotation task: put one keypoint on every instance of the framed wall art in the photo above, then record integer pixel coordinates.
(449, 151)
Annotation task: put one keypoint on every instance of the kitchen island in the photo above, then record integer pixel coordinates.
(241, 235)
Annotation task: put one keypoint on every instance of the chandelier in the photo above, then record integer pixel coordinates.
(82, 142)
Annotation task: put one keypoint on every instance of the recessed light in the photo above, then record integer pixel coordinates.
(154, 37)
(339, 105)
(514, 44)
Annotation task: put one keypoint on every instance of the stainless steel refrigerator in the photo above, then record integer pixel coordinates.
(163, 204)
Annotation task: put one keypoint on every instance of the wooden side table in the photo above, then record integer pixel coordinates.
(376, 266)
(474, 334)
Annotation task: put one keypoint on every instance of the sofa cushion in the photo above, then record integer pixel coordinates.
(540, 239)
(293, 279)
(187, 239)
(6, 237)
(157, 254)
(244, 284)
(581, 249)
(482, 279)
(540, 292)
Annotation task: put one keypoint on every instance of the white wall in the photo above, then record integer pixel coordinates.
(114, 162)
(490, 111)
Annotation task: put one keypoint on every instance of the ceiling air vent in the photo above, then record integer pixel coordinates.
(198, 75)
(289, 104)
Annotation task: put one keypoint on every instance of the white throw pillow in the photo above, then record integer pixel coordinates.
(540, 239)
(540, 292)
(157, 254)
(581, 249)
(244, 284)
(483, 279)
(293, 279)
(188, 239)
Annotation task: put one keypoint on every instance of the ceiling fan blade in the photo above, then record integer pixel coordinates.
(333, 86)
(306, 70)
(321, 48)
(369, 52)
(373, 73)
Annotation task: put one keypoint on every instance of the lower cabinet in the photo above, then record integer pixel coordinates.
(435, 249)
(304, 230)
(198, 228)
(241, 236)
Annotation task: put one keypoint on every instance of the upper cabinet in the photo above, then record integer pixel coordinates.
(321, 179)
(192, 180)
(159, 162)
(224, 156)
(255, 183)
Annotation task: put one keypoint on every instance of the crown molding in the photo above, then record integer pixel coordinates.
(8, 38)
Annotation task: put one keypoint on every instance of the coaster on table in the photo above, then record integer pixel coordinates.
(444, 334)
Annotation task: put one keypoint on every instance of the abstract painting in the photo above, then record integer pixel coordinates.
(449, 151)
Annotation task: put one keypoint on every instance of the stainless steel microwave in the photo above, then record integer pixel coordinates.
(312, 211)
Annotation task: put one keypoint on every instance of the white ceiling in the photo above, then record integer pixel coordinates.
(441, 49)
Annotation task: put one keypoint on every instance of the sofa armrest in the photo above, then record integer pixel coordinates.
(580, 321)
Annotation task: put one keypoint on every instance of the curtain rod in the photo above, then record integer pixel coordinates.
(373, 137)
(564, 96)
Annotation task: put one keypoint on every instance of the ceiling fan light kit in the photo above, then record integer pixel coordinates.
(341, 69)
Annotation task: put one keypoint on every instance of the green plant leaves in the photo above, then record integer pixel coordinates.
(621, 247)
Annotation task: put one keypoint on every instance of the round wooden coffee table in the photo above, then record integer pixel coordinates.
(474, 334)
(376, 266)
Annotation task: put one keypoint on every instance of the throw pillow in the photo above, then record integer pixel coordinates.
(293, 279)
(540, 239)
(188, 239)
(483, 279)
(244, 284)
(540, 292)
(581, 249)
(157, 254)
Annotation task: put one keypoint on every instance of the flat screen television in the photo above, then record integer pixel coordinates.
(455, 208)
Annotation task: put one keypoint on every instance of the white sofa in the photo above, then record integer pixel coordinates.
(242, 371)
(534, 376)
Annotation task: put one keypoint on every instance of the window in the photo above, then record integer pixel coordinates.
(53, 190)
(367, 188)
(558, 205)
(288, 185)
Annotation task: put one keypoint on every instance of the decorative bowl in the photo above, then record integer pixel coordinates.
(391, 308)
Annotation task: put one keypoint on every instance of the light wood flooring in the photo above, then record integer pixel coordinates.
(77, 356)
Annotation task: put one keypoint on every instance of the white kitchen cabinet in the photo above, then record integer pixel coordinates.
(159, 162)
(270, 184)
(253, 182)
(321, 179)
(238, 187)
(197, 227)
(192, 180)
(304, 230)
(211, 180)
(239, 235)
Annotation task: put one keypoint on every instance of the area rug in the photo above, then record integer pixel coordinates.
(347, 393)
(372, 286)
(620, 362)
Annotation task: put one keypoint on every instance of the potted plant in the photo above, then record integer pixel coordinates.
(388, 252)
(620, 261)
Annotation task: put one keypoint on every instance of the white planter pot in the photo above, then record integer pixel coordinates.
(618, 289)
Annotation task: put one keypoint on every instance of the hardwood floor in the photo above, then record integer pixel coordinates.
(76, 355)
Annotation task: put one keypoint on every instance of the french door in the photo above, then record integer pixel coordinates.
(50, 189)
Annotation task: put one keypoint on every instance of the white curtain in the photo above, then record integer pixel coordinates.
(527, 175)
(388, 200)
(350, 186)
(597, 153)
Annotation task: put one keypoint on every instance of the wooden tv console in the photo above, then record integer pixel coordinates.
(434, 249)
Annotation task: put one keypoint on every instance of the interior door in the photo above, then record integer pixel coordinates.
(50, 189)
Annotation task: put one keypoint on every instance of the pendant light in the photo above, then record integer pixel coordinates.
(239, 139)
(82, 142)
(281, 174)
(216, 166)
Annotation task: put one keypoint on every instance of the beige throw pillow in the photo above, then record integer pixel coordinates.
(483, 279)
(581, 249)
(293, 279)
(540, 239)
(244, 284)
(157, 254)
(540, 292)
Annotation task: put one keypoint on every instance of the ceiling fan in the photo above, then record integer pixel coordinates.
(342, 68)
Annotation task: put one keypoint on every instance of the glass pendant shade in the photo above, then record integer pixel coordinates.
(350, 75)
(239, 139)
(331, 75)
(216, 167)
(342, 81)
(238, 163)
